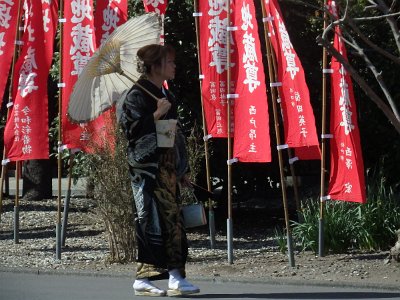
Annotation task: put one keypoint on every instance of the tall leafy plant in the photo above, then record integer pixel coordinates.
(352, 226)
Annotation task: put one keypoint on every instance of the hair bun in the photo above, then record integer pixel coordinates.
(141, 67)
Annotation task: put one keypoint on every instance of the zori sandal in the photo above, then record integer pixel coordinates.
(143, 287)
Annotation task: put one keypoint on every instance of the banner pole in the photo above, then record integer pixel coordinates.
(16, 203)
(228, 110)
(321, 249)
(3, 174)
(10, 100)
(211, 217)
(272, 77)
(59, 158)
(67, 201)
(290, 151)
(295, 187)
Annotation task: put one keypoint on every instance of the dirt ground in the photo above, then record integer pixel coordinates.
(256, 254)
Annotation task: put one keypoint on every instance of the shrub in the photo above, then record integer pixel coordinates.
(109, 175)
(195, 151)
(306, 232)
(113, 194)
(347, 225)
(380, 217)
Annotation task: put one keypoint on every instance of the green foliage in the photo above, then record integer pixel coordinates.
(55, 67)
(180, 33)
(340, 226)
(281, 240)
(380, 217)
(306, 232)
(135, 7)
(349, 225)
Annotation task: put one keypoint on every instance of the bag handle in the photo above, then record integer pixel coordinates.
(191, 189)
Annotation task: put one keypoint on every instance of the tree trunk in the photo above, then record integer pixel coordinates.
(37, 180)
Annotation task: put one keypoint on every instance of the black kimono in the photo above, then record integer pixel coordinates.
(155, 173)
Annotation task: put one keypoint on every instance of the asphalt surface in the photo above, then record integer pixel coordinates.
(74, 286)
(27, 285)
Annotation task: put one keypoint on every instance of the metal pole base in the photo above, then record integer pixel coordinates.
(321, 238)
(211, 225)
(58, 241)
(65, 219)
(290, 248)
(16, 224)
(229, 226)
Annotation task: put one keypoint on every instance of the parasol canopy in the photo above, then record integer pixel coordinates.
(111, 70)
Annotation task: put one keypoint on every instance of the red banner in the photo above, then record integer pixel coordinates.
(160, 7)
(109, 15)
(78, 47)
(99, 134)
(8, 31)
(346, 181)
(26, 131)
(308, 153)
(251, 141)
(213, 32)
(298, 116)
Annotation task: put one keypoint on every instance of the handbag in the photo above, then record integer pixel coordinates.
(194, 215)
(166, 130)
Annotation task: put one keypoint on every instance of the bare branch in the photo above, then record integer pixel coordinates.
(378, 76)
(346, 10)
(372, 6)
(393, 5)
(351, 43)
(377, 17)
(366, 40)
(392, 22)
(349, 21)
(361, 82)
(346, 20)
(305, 4)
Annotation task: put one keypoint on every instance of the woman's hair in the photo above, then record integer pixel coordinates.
(152, 55)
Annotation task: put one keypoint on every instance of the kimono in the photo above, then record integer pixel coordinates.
(155, 173)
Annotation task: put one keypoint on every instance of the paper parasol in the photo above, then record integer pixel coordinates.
(112, 68)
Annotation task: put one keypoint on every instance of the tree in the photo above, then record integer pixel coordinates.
(371, 31)
(356, 39)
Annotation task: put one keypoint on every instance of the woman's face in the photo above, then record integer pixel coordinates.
(167, 68)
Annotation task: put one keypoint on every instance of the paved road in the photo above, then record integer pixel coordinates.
(29, 286)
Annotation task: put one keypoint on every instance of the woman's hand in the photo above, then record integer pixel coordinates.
(163, 105)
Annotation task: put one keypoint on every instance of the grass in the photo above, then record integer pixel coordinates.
(348, 226)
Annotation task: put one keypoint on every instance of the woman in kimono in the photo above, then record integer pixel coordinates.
(155, 177)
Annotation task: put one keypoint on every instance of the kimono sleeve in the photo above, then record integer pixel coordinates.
(137, 122)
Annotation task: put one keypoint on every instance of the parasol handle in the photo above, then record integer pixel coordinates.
(139, 85)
